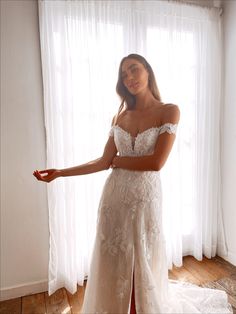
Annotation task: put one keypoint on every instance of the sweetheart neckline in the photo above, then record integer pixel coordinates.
(134, 137)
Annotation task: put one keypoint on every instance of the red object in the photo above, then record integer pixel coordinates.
(132, 308)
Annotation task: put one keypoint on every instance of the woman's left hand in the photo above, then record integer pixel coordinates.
(114, 162)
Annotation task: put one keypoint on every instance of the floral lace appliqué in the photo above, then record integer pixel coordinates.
(143, 143)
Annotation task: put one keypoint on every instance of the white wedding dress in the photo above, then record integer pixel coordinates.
(130, 240)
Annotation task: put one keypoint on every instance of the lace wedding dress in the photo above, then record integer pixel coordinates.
(130, 240)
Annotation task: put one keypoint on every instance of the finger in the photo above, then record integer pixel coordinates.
(44, 174)
(43, 171)
(35, 173)
(39, 177)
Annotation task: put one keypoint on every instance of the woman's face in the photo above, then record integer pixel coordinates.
(134, 76)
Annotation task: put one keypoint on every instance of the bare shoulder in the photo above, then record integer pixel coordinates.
(117, 118)
(114, 120)
(170, 113)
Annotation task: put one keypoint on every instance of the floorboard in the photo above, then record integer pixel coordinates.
(213, 273)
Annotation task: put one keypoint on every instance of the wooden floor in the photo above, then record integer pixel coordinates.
(210, 272)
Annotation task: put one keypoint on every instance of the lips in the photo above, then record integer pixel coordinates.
(134, 85)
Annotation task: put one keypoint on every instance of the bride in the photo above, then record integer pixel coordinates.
(128, 271)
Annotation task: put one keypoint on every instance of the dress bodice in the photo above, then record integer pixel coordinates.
(143, 143)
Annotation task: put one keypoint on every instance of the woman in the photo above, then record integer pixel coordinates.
(128, 272)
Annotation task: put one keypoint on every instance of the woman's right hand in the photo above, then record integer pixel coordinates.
(47, 175)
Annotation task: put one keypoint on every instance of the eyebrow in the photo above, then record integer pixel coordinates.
(131, 66)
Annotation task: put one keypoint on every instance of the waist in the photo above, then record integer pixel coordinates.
(135, 185)
(134, 177)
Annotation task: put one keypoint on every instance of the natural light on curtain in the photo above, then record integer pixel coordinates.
(172, 77)
(82, 43)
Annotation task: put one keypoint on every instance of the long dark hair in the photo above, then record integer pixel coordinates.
(126, 97)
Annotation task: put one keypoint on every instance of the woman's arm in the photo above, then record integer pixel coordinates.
(99, 164)
(162, 150)
(96, 165)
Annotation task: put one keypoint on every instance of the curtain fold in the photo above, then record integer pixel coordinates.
(82, 43)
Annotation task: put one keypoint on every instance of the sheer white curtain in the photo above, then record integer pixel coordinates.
(82, 43)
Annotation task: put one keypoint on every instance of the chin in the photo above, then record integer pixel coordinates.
(140, 90)
(134, 93)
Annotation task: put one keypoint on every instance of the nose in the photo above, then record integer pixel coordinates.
(130, 76)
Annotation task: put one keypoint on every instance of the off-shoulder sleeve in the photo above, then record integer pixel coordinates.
(168, 127)
(111, 132)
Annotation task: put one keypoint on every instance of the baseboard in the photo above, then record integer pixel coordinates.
(42, 286)
(23, 290)
(230, 257)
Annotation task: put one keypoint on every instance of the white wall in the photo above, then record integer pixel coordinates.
(229, 129)
(24, 216)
